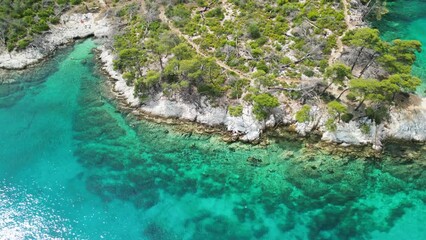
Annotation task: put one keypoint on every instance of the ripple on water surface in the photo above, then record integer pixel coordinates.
(112, 176)
(27, 216)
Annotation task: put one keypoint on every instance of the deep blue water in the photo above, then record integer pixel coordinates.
(73, 167)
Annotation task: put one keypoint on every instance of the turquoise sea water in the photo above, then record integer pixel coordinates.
(407, 20)
(73, 167)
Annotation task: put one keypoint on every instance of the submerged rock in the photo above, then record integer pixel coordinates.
(254, 161)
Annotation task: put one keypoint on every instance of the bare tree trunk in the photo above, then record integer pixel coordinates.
(161, 63)
(356, 59)
(340, 95)
(393, 96)
(308, 55)
(359, 105)
(139, 69)
(368, 65)
(327, 87)
(368, 9)
(236, 46)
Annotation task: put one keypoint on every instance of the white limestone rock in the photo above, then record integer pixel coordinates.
(120, 85)
(408, 123)
(350, 133)
(71, 26)
(246, 125)
(318, 119)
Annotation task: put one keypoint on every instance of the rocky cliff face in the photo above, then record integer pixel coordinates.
(408, 123)
(404, 123)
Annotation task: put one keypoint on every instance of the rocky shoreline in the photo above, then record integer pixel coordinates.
(245, 128)
(72, 26)
(408, 124)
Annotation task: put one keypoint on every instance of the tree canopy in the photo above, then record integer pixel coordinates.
(21, 20)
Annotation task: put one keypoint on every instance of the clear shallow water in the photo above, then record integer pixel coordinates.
(407, 20)
(73, 167)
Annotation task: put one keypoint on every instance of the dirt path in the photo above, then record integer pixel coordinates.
(196, 47)
(337, 52)
(143, 7)
(228, 12)
(166, 20)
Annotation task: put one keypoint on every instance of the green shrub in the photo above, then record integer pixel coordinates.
(235, 111)
(28, 20)
(54, 20)
(351, 97)
(248, 97)
(365, 128)
(257, 52)
(253, 31)
(303, 115)
(129, 77)
(75, 2)
(237, 88)
(330, 44)
(213, 90)
(262, 104)
(313, 15)
(180, 14)
(330, 125)
(308, 72)
(266, 100)
(278, 47)
(10, 47)
(215, 13)
(23, 43)
(347, 117)
(377, 115)
(152, 78)
(261, 41)
(336, 108)
(41, 26)
(286, 61)
(261, 65)
(323, 64)
(28, 12)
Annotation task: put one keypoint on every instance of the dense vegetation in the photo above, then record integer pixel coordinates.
(391, 76)
(161, 60)
(21, 20)
(257, 36)
(263, 44)
(263, 53)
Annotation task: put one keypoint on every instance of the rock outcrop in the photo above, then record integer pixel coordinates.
(408, 123)
(72, 26)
